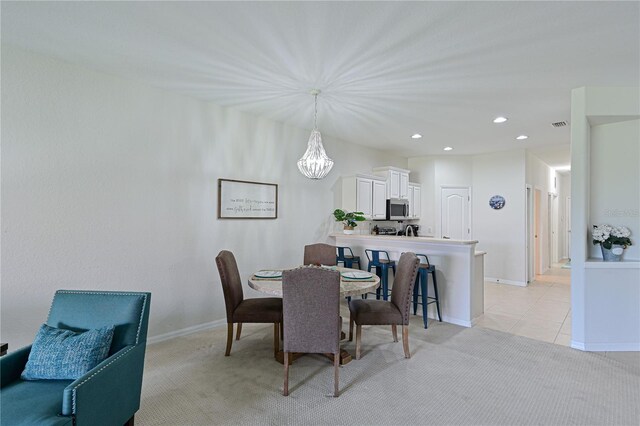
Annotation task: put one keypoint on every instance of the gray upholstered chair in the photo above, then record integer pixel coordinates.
(240, 310)
(380, 312)
(311, 313)
(320, 254)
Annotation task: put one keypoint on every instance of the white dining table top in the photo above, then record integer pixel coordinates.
(273, 287)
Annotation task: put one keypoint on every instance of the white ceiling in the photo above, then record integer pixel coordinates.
(386, 70)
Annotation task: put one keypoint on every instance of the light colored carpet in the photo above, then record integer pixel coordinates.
(456, 375)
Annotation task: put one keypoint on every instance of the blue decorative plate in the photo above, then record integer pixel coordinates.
(496, 202)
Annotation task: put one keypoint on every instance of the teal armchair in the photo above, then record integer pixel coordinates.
(109, 394)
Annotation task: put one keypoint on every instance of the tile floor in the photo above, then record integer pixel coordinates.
(540, 311)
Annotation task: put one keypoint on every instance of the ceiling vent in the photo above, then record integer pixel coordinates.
(559, 124)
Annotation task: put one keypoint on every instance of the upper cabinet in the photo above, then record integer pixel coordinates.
(415, 200)
(397, 181)
(366, 194)
(379, 199)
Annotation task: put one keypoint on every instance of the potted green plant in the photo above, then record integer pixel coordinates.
(349, 219)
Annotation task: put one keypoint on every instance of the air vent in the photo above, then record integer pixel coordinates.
(559, 124)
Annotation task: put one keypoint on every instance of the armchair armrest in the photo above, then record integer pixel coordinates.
(12, 365)
(109, 394)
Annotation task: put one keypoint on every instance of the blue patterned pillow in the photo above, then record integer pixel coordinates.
(66, 355)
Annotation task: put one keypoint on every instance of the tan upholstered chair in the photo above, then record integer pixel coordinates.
(311, 313)
(380, 312)
(240, 310)
(320, 254)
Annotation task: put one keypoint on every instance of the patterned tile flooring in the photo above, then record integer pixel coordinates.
(540, 311)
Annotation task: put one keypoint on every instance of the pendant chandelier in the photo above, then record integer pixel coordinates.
(315, 164)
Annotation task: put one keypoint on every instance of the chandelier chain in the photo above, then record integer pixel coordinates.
(315, 115)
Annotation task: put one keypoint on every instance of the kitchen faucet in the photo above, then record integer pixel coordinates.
(408, 232)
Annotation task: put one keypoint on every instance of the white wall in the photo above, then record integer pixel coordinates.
(564, 191)
(540, 176)
(615, 177)
(433, 173)
(501, 233)
(109, 184)
(501, 173)
(605, 296)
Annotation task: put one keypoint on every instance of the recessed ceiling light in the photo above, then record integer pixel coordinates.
(416, 136)
(499, 120)
(448, 148)
(522, 137)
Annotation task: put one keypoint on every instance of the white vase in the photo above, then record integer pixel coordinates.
(348, 230)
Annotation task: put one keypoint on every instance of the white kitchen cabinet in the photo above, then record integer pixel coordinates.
(404, 186)
(366, 194)
(397, 181)
(414, 196)
(393, 190)
(379, 199)
(417, 201)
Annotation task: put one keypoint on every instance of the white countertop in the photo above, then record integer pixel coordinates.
(403, 238)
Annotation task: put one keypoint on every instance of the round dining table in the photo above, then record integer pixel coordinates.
(348, 288)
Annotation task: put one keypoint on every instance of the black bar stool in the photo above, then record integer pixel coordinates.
(423, 277)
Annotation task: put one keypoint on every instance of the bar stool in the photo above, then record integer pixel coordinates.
(347, 259)
(423, 277)
(382, 269)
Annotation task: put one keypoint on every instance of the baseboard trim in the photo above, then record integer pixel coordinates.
(578, 345)
(612, 347)
(185, 331)
(457, 321)
(502, 281)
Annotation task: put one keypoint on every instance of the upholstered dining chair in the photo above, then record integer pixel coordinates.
(311, 313)
(395, 312)
(320, 254)
(54, 381)
(241, 310)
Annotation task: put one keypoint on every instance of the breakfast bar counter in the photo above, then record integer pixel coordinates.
(459, 269)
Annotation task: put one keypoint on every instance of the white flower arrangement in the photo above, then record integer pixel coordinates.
(608, 235)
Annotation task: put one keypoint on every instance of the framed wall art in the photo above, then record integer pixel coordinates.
(239, 199)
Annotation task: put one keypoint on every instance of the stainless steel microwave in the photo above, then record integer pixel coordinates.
(397, 209)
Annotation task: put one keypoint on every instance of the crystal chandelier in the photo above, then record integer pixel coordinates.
(315, 164)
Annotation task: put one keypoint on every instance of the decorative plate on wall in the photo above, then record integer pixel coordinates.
(496, 202)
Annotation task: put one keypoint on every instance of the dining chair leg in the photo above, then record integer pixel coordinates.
(276, 338)
(351, 328)
(229, 338)
(238, 331)
(358, 340)
(405, 341)
(336, 367)
(394, 330)
(285, 390)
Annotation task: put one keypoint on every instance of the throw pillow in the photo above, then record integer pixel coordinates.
(66, 355)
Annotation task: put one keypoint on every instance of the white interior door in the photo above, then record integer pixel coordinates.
(567, 213)
(454, 213)
(529, 198)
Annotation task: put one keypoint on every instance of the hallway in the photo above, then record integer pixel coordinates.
(540, 311)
